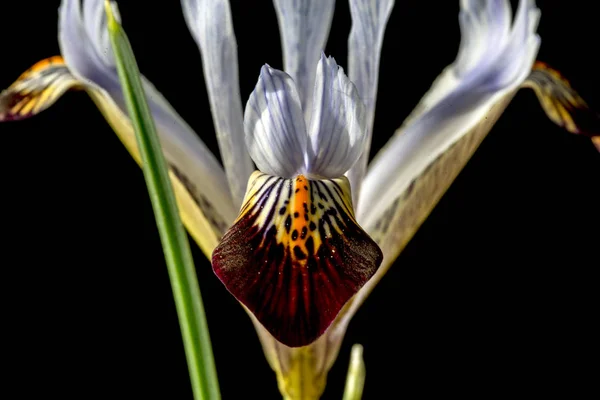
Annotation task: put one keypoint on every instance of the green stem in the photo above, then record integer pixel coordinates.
(182, 274)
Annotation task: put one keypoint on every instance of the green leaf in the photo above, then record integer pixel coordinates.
(190, 310)
(355, 380)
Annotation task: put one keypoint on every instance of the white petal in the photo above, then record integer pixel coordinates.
(210, 23)
(304, 27)
(482, 76)
(338, 125)
(94, 21)
(481, 23)
(184, 150)
(87, 58)
(275, 129)
(369, 19)
(514, 63)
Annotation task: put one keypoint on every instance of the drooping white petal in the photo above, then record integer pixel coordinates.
(482, 76)
(88, 59)
(338, 124)
(210, 24)
(304, 27)
(274, 124)
(369, 19)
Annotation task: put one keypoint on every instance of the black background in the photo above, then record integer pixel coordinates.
(495, 294)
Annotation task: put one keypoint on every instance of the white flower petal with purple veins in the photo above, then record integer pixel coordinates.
(338, 124)
(85, 46)
(462, 97)
(304, 27)
(212, 28)
(274, 124)
(369, 19)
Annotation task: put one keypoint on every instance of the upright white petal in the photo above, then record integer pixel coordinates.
(369, 19)
(94, 21)
(338, 125)
(80, 50)
(481, 23)
(210, 23)
(84, 44)
(485, 31)
(275, 128)
(493, 62)
(304, 27)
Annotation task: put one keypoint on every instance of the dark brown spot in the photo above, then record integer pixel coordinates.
(298, 253)
(310, 245)
(288, 224)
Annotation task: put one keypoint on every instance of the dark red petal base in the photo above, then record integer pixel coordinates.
(296, 255)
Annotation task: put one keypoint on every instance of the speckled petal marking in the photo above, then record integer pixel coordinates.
(295, 254)
(562, 103)
(36, 89)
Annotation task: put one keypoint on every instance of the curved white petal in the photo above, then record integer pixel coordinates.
(304, 27)
(493, 62)
(338, 124)
(485, 27)
(210, 24)
(369, 19)
(275, 129)
(86, 60)
(94, 22)
(485, 31)
(85, 47)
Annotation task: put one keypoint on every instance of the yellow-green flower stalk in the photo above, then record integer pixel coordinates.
(302, 239)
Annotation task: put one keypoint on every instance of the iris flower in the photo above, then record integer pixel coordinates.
(303, 238)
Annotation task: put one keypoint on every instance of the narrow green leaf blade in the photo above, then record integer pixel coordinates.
(355, 380)
(182, 274)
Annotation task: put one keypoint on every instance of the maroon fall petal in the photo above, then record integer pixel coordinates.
(295, 255)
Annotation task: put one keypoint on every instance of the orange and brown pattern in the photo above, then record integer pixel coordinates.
(562, 103)
(296, 255)
(36, 89)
